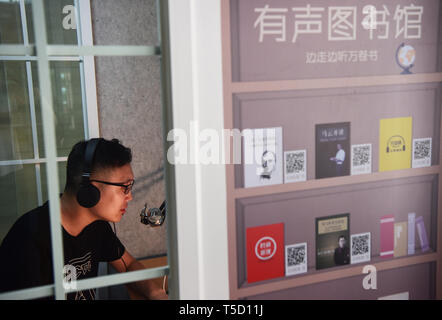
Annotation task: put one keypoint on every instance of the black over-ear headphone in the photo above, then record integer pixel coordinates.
(88, 195)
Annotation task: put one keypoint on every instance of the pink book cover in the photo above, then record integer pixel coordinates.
(387, 236)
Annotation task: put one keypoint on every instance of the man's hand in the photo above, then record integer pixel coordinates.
(159, 295)
(147, 288)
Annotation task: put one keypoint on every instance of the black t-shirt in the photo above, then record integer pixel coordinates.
(26, 252)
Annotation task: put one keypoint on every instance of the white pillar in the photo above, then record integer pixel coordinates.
(195, 36)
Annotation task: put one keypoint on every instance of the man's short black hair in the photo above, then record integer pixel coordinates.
(109, 154)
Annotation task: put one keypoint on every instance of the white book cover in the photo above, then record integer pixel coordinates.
(263, 164)
(360, 245)
(361, 159)
(421, 153)
(295, 259)
(295, 166)
(411, 233)
(397, 296)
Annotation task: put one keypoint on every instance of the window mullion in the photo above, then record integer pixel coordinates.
(34, 130)
(82, 73)
(120, 278)
(27, 294)
(24, 23)
(28, 161)
(42, 53)
(32, 110)
(169, 175)
(50, 146)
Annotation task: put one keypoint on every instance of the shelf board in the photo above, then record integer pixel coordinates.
(241, 193)
(331, 83)
(317, 276)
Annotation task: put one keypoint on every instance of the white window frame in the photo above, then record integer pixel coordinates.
(88, 87)
(88, 68)
(86, 51)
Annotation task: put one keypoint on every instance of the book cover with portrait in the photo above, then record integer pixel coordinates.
(332, 241)
(263, 157)
(332, 150)
(395, 136)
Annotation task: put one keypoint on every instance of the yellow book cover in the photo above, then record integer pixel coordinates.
(395, 143)
(400, 239)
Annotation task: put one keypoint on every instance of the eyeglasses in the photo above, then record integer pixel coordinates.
(127, 187)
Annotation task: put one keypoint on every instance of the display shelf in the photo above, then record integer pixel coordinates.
(240, 193)
(332, 83)
(315, 276)
(236, 193)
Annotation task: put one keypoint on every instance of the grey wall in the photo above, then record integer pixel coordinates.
(129, 100)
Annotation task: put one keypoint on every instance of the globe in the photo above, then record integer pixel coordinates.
(405, 57)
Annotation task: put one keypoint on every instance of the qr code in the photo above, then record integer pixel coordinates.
(295, 256)
(360, 245)
(422, 149)
(361, 155)
(295, 162)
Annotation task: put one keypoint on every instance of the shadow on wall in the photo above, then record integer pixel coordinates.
(145, 182)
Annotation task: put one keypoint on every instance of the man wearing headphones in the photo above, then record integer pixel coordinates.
(98, 188)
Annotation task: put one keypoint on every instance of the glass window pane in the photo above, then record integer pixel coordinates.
(67, 99)
(61, 29)
(18, 194)
(10, 22)
(15, 120)
(44, 181)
